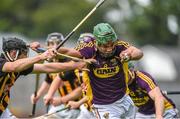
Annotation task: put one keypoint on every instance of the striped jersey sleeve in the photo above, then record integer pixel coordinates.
(122, 43)
(87, 50)
(146, 81)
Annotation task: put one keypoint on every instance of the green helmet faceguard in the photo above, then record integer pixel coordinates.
(104, 33)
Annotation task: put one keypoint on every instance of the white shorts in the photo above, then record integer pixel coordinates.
(7, 115)
(122, 108)
(85, 113)
(65, 114)
(168, 114)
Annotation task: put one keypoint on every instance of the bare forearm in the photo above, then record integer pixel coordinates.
(70, 51)
(159, 106)
(21, 64)
(44, 88)
(136, 54)
(75, 94)
(54, 86)
(83, 100)
(57, 67)
(158, 98)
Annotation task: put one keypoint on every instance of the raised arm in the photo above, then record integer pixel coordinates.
(70, 51)
(132, 53)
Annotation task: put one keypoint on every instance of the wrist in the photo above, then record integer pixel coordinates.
(79, 103)
(63, 100)
(74, 64)
(40, 58)
(159, 117)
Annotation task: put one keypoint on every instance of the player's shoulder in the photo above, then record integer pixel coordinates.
(2, 58)
(120, 42)
(81, 46)
(144, 75)
(2, 62)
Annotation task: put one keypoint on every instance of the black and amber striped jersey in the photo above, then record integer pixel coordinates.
(83, 78)
(69, 81)
(68, 77)
(7, 80)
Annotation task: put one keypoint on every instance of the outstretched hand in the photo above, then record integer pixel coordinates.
(34, 45)
(73, 104)
(47, 99)
(34, 98)
(49, 54)
(56, 101)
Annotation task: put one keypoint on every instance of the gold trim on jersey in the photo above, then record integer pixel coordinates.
(146, 79)
(83, 45)
(120, 42)
(167, 104)
(140, 101)
(125, 69)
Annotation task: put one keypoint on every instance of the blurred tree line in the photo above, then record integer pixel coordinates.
(152, 21)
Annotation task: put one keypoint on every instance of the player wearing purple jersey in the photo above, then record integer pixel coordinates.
(148, 98)
(108, 77)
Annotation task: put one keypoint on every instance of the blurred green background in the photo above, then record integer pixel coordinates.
(154, 23)
(145, 21)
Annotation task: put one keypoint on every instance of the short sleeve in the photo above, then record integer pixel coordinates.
(87, 50)
(122, 45)
(68, 75)
(27, 71)
(2, 62)
(146, 81)
(48, 79)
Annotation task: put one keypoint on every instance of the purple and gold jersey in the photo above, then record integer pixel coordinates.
(7, 80)
(107, 77)
(139, 89)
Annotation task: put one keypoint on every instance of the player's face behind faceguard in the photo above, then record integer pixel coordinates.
(105, 39)
(14, 48)
(54, 39)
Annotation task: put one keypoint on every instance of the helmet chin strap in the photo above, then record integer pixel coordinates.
(9, 58)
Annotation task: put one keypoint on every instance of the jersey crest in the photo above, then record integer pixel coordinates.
(106, 72)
